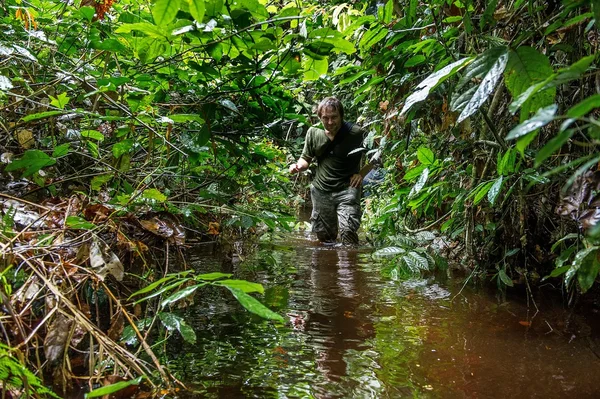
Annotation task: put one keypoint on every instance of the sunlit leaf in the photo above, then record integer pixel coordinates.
(92, 134)
(164, 11)
(481, 191)
(181, 294)
(416, 189)
(213, 276)
(527, 66)
(41, 115)
(5, 83)
(197, 9)
(154, 194)
(425, 156)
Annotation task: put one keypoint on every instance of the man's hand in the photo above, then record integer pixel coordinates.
(299, 166)
(356, 180)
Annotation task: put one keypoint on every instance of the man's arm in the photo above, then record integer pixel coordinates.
(301, 165)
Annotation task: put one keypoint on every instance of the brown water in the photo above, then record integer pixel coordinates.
(353, 333)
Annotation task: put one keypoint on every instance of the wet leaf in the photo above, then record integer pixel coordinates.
(489, 67)
(481, 191)
(56, 338)
(416, 189)
(184, 293)
(5, 83)
(431, 82)
(589, 268)
(173, 322)
(541, 118)
(113, 388)
(495, 190)
(254, 306)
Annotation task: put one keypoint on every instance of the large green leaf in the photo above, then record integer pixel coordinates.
(373, 36)
(588, 271)
(388, 251)
(432, 81)
(313, 69)
(254, 306)
(541, 118)
(416, 189)
(173, 322)
(32, 161)
(164, 11)
(489, 68)
(563, 76)
(425, 156)
(184, 293)
(333, 37)
(526, 66)
(197, 9)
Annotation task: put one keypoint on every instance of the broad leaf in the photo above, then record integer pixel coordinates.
(489, 67)
(143, 27)
(61, 150)
(254, 306)
(432, 81)
(184, 293)
(563, 76)
(92, 134)
(425, 156)
(526, 66)
(77, 222)
(541, 118)
(164, 11)
(41, 115)
(197, 9)
(588, 271)
(213, 276)
(32, 161)
(481, 191)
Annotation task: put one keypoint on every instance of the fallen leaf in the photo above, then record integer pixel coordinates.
(56, 338)
(104, 261)
(525, 323)
(25, 138)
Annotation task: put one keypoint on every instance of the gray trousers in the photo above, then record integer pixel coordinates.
(336, 211)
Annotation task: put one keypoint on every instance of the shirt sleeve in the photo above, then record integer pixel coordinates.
(308, 151)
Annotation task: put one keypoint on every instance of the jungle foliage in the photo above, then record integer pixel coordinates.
(127, 124)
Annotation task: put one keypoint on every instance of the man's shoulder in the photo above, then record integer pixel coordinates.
(357, 129)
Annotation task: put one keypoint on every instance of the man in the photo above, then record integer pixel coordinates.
(335, 190)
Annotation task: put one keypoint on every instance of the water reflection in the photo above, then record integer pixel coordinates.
(355, 334)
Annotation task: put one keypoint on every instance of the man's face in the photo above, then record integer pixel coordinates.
(331, 119)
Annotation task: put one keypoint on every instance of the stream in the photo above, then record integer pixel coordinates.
(353, 333)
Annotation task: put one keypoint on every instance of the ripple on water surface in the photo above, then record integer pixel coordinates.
(352, 333)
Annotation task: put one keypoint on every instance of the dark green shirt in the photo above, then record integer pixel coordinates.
(336, 162)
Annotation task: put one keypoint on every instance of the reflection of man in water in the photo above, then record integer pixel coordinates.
(332, 323)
